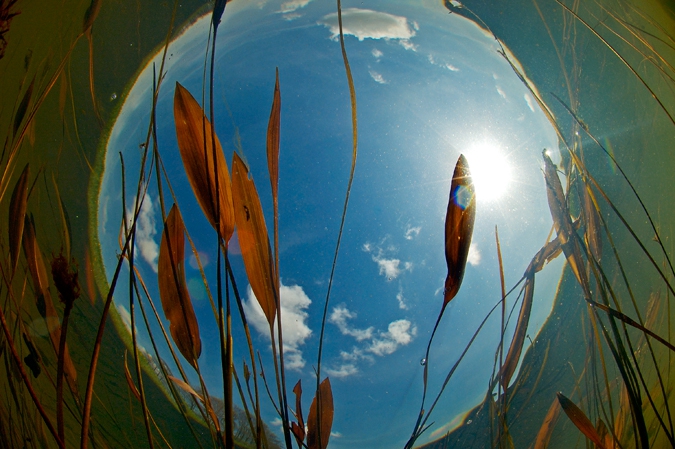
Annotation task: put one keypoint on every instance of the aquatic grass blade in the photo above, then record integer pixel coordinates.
(459, 221)
(173, 290)
(193, 132)
(513, 356)
(563, 223)
(580, 420)
(253, 238)
(130, 382)
(17, 213)
(320, 419)
(546, 429)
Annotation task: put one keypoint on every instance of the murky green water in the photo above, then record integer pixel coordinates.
(429, 84)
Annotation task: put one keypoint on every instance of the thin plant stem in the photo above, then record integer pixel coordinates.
(352, 98)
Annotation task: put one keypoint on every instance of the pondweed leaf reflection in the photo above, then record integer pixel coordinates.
(17, 212)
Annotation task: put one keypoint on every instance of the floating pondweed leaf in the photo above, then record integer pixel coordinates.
(253, 239)
(580, 420)
(563, 223)
(298, 428)
(273, 139)
(17, 213)
(519, 334)
(458, 227)
(193, 132)
(173, 289)
(318, 427)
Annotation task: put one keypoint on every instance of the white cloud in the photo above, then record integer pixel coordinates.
(451, 67)
(368, 24)
(294, 302)
(401, 300)
(408, 45)
(529, 101)
(412, 231)
(399, 333)
(339, 317)
(501, 92)
(348, 369)
(292, 5)
(335, 434)
(377, 77)
(146, 230)
(389, 268)
(377, 54)
(291, 16)
(474, 256)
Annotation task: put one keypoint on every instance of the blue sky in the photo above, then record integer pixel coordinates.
(430, 85)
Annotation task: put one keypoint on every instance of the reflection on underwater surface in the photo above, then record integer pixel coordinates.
(429, 84)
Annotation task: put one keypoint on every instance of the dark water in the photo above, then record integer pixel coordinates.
(580, 352)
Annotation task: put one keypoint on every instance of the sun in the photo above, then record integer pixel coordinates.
(490, 170)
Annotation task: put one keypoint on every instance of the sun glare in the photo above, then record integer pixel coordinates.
(490, 170)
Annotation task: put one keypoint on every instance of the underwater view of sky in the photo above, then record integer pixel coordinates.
(430, 86)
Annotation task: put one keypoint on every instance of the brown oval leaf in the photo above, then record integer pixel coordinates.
(459, 221)
(580, 420)
(196, 151)
(173, 289)
(318, 428)
(253, 238)
(17, 213)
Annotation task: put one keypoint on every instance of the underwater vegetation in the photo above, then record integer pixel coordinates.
(597, 374)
